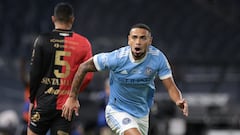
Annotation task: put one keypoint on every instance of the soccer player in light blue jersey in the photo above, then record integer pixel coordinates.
(133, 69)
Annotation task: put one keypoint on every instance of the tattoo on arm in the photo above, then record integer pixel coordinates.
(83, 69)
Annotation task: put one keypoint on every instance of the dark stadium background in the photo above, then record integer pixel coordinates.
(201, 39)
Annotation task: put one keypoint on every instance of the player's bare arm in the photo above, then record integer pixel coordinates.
(72, 104)
(83, 69)
(176, 95)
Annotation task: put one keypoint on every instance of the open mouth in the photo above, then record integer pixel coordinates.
(137, 52)
(137, 49)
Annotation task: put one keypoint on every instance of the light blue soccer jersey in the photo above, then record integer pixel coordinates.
(132, 82)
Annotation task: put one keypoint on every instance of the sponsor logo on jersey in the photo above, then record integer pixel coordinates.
(136, 71)
(134, 81)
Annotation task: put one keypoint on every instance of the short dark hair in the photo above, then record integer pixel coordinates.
(63, 12)
(142, 26)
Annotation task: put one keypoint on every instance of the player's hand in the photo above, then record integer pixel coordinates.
(183, 105)
(71, 105)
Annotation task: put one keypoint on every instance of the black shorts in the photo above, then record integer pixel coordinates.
(41, 121)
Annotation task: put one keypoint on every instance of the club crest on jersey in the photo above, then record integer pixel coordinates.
(35, 117)
(148, 71)
(126, 121)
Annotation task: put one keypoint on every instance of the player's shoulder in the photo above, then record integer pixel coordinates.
(123, 51)
(44, 35)
(42, 38)
(117, 54)
(154, 51)
(80, 37)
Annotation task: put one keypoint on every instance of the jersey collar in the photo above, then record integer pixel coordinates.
(136, 61)
(62, 30)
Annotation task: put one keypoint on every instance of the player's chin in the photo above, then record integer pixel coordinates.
(138, 55)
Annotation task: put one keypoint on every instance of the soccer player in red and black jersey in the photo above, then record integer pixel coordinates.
(55, 59)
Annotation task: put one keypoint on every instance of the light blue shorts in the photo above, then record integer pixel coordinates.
(121, 121)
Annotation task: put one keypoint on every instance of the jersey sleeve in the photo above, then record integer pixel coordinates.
(35, 68)
(105, 61)
(89, 75)
(165, 69)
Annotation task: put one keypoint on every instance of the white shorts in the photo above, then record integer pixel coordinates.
(121, 121)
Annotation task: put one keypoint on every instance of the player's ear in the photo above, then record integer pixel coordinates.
(53, 19)
(128, 39)
(150, 40)
(72, 20)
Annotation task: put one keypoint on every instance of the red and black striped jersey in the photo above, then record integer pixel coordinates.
(55, 59)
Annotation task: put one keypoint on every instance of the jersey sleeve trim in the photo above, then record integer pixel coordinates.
(165, 76)
(96, 63)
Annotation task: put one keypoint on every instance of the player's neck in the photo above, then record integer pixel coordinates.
(137, 59)
(63, 26)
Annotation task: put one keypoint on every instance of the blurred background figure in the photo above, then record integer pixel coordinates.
(24, 66)
(103, 128)
(9, 122)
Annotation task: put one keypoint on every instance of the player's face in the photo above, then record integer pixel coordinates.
(139, 39)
